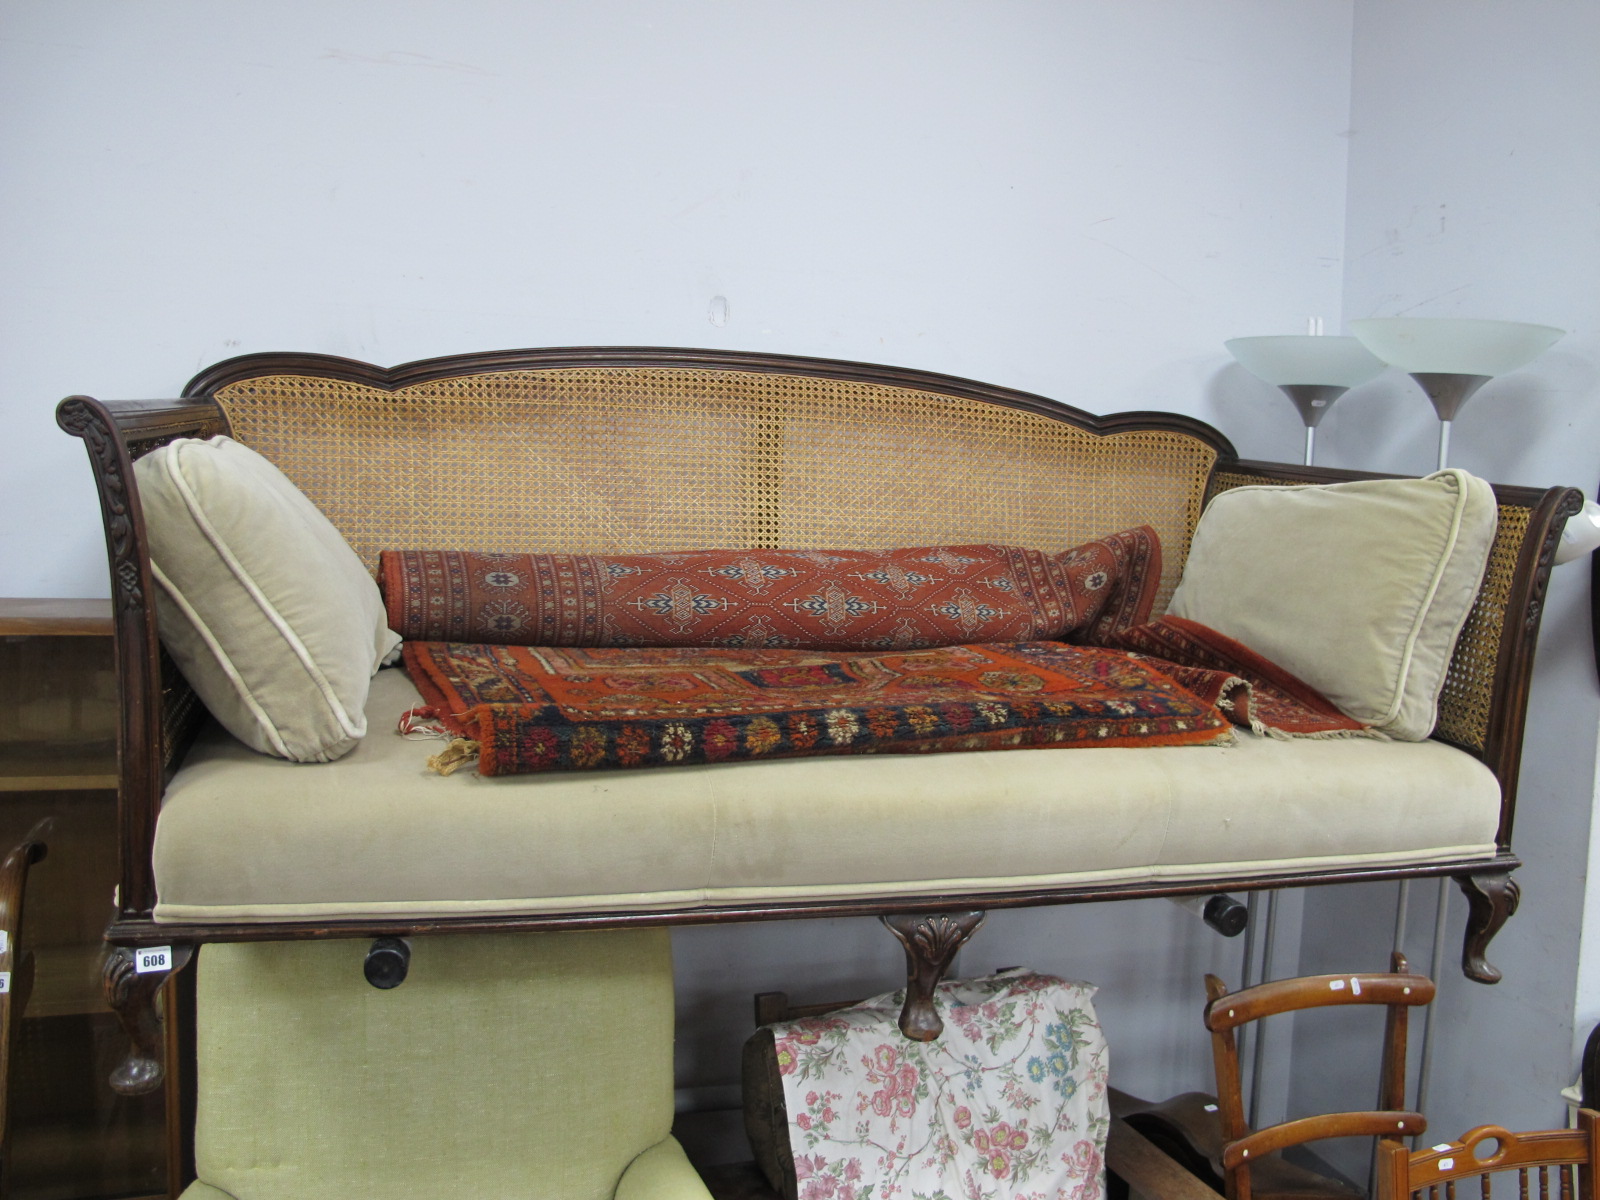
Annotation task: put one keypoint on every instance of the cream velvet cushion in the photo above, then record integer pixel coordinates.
(261, 602)
(506, 1065)
(1360, 589)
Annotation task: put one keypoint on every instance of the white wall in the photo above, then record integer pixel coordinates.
(1475, 191)
(1080, 199)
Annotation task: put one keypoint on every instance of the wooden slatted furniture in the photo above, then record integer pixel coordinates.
(1549, 1164)
(1188, 1131)
(59, 710)
(1243, 1148)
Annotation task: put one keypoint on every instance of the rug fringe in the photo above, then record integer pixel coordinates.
(1227, 704)
(1325, 735)
(454, 756)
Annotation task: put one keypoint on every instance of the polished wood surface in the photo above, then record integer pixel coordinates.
(142, 931)
(1187, 1129)
(1549, 1163)
(249, 366)
(1146, 1171)
(111, 441)
(35, 617)
(1397, 991)
(931, 942)
(1229, 1010)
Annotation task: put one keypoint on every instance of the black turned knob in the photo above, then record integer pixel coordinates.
(387, 962)
(1226, 915)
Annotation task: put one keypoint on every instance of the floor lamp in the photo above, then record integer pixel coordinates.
(1450, 358)
(1312, 371)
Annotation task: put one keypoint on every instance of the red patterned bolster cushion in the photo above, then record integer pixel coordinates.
(912, 598)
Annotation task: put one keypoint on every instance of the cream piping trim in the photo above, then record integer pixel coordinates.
(1442, 562)
(223, 660)
(686, 898)
(275, 618)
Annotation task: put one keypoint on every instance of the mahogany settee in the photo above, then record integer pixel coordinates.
(608, 450)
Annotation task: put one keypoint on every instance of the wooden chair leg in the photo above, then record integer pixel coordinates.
(931, 941)
(1492, 896)
(131, 994)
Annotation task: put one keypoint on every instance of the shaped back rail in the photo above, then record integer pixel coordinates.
(1550, 1164)
(1397, 991)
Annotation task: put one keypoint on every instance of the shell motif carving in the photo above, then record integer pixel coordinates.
(939, 936)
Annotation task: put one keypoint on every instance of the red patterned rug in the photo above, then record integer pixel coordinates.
(523, 709)
(1255, 693)
(900, 599)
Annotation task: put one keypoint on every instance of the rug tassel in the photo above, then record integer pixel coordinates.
(422, 722)
(453, 757)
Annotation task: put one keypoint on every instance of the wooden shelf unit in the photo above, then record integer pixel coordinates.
(72, 1138)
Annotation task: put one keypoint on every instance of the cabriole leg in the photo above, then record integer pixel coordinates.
(931, 941)
(1492, 897)
(131, 993)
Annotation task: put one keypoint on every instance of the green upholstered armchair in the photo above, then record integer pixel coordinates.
(524, 1065)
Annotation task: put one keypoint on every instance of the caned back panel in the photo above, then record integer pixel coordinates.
(638, 459)
(1465, 702)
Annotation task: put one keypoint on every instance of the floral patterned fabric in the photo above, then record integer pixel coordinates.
(763, 599)
(1009, 1102)
(538, 708)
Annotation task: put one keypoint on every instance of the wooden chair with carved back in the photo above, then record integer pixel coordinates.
(1245, 1149)
(16, 975)
(1550, 1164)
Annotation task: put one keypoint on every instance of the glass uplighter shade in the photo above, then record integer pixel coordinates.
(1452, 357)
(1306, 358)
(1454, 345)
(1312, 370)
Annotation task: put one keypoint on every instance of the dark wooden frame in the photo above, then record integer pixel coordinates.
(155, 728)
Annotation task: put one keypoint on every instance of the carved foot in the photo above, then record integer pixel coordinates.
(931, 941)
(131, 993)
(1492, 896)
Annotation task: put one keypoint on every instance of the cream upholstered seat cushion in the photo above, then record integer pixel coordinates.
(242, 837)
(262, 604)
(523, 1065)
(1360, 589)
